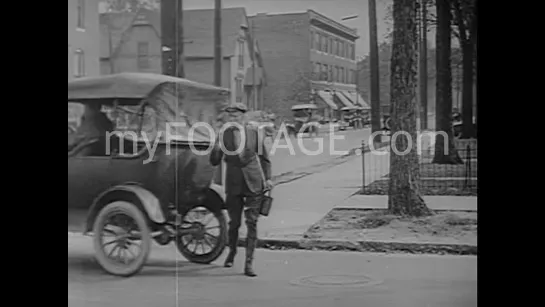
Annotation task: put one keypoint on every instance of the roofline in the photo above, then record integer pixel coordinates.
(278, 14)
(223, 8)
(339, 25)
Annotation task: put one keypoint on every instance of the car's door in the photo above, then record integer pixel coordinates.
(133, 166)
(87, 177)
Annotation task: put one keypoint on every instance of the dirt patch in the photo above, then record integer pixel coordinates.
(442, 170)
(428, 187)
(377, 225)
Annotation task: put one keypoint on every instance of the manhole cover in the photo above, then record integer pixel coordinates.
(341, 281)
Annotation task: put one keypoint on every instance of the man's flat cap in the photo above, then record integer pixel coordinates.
(238, 106)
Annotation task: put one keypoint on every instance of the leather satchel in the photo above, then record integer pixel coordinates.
(266, 199)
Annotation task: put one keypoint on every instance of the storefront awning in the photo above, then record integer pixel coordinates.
(357, 100)
(328, 99)
(344, 100)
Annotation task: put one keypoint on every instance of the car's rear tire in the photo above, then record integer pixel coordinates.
(133, 217)
(220, 239)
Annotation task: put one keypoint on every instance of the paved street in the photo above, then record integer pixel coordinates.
(287, 278)
(283, 161)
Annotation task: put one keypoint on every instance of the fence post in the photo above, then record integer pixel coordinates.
(363, 165)
(468, 166)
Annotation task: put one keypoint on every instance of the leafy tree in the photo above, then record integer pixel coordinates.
(404, 193)
(385, 53)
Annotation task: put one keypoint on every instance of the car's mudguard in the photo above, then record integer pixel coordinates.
(220, 190)
(149, 203)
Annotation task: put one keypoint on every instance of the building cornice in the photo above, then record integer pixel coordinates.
(334, 24)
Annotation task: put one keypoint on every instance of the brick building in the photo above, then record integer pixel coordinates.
(309, 58)
(132, 43)
(83, 38)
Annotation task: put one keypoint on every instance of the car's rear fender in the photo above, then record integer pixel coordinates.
(216, 196)
(133, 193)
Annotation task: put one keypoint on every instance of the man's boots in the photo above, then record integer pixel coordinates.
(250, 248)
(233, 238)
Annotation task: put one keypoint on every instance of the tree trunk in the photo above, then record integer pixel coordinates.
(443, 97)
(467, 91)
(374, 68)
(404, 193)
(424, 67)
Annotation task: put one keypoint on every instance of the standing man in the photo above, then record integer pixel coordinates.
(247, 178)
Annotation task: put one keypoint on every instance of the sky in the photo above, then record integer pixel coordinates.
(334, 9)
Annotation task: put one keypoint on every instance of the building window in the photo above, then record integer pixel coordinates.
(347, 76)
(316, 72)
(241, 54)
(316, 41)
(341, 48)
(143, 55)
(79, 63)
(323, 71)
(81, 14)
(330, 50)
(342, 75)
(353, 51)
(69, 53)
(330, 74)
(322, 43)
(239, 90)
(334, 46)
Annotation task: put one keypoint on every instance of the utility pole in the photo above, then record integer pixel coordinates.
(110, 50)
(254, 89)
(217, 43)
(424, 67)
(172, 37)
(373, 54)
(218, 179)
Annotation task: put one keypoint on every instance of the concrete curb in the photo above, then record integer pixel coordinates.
(364, 246)
(348, 208)
(353, 246)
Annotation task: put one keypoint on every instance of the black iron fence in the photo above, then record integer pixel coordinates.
(435, 178)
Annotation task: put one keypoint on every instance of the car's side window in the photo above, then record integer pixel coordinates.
(129, 138)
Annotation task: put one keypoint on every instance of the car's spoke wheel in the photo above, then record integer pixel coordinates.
(203, 235)
(122, 239)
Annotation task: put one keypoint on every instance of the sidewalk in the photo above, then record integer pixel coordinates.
(438, 203)
(300, 204)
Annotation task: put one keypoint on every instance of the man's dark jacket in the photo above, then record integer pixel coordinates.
(243, 176)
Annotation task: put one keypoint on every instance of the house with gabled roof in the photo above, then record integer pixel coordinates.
(131, 42)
